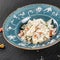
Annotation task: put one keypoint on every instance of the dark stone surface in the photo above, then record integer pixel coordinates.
(12, 53)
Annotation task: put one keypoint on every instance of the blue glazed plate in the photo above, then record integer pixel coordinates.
(20, 16)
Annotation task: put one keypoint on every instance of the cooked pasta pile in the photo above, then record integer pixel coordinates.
(37, 31)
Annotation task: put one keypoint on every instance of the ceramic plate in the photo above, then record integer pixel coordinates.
(20, 16)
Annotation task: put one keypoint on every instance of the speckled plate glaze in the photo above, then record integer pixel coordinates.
(20, 16)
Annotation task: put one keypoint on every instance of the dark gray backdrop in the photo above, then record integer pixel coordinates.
(12, 53)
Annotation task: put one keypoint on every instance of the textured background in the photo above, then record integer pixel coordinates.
(12, 53)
